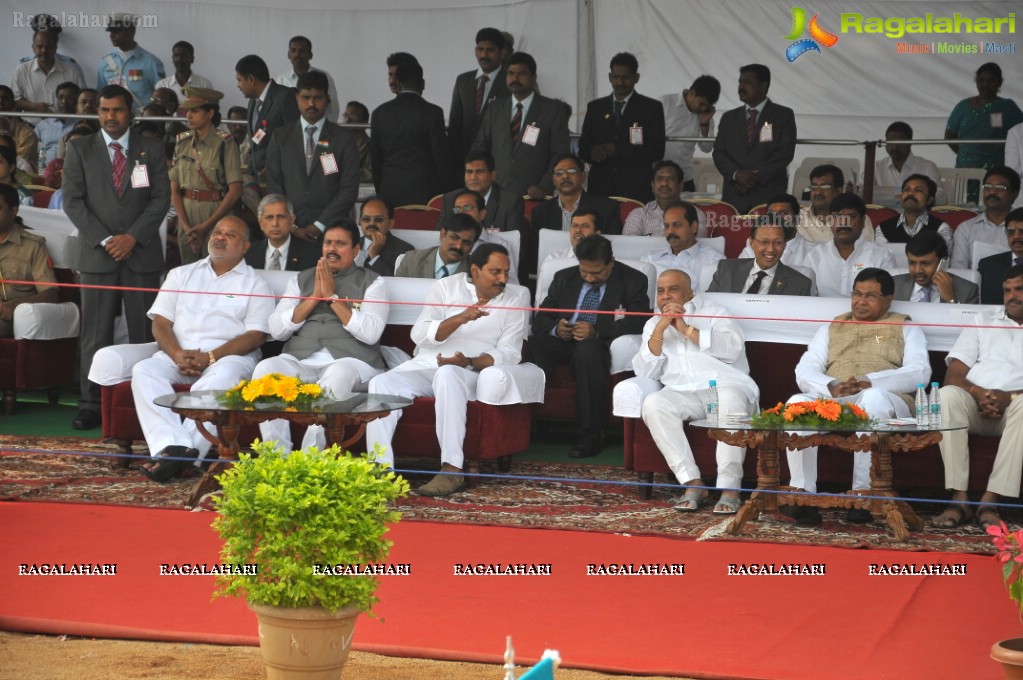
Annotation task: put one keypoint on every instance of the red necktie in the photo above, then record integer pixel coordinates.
(120, 164)
(481, 88)
(516, 124)
(751, 126)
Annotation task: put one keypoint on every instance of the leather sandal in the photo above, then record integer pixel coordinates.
(692, 500)
(169, 463)
(990, 511)
(731, 506)
(952, 517)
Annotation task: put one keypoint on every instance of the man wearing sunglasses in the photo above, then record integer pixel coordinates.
(998, 192)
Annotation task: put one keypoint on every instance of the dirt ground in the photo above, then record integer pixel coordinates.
(44, 657)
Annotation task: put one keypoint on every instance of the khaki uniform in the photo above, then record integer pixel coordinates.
(221, 168)
(23, 257)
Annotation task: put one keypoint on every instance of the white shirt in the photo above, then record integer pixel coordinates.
(679, 121)
(684, 366)
(171, 83)
(944, 231)
(835, 276)
(565, 254)
(919, 293)
(526, 103)
(290, 79)
(499, 334)
(123, 141)
(223, 308)
(649, 221)
(366, 325)
(1014, 155)
(488, 236)
(916, 366)
(888, 181)
(974, 230)
(795, 253)
(994, 355)
(691, 260)
(32, 84)
(813, 228)
(489, 84)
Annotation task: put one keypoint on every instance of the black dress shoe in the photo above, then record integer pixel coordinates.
(584, 450)
(87, 420)
(804, 515)
(859, 516)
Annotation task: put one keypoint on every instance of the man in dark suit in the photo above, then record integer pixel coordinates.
(280, 251)
(755, 143)
(314, 162)
(927, 280)
(450, 257)
(474, 90)
(505, 209)
(623, 135)
(764, 273)
(380, 248)
(270, 106)
(992, 268)
(582, 338)
(407, 144)
(524, 131)
(116, 191)
(569, 178)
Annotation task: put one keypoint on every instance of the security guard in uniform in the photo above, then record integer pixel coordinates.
(23, 257)
(206, 177)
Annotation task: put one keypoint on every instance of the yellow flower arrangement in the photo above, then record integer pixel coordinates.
(824, 414)
(273, 387)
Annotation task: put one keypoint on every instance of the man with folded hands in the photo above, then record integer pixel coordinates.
(209, 338)
(689, 343)
(867, 357)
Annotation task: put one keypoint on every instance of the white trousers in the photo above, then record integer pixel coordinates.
(665, 411)
(453, 388)
(959, 408)
(154, 377)
(878, 403)
(339, 378)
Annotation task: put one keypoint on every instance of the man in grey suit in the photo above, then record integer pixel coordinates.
(505, 209)
(314, 162)
(116, 191)
(927, 280)
(270, 106)
(475, 90)
(764, 273)
(450, 257)
(755, 143)
(524, 131)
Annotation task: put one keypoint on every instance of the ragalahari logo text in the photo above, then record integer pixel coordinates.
(818, 36)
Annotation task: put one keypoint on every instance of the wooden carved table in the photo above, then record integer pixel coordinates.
(204, 406)
(881, 441)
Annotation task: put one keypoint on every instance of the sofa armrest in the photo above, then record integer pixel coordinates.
(113, 365)
(629, 395)
(46, 321)
(504, 385)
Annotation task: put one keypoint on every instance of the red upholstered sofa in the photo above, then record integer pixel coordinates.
(772, 366)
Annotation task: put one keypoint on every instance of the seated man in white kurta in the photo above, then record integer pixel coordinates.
(469, 322)
(330, 340)
(209, 339)
(875, 364)
(685, 354)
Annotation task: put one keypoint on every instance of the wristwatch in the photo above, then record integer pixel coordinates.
(334, 298)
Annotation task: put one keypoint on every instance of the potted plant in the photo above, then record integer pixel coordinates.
(1010, 551)
(290, 525)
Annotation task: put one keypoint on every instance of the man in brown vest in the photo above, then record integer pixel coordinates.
(331, 316)
(864, 358)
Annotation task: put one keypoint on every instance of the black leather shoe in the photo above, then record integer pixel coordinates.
(584, 451)
(805, 516)
(859, 516)
(87, 420)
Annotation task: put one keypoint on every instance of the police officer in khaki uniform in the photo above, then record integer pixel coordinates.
(23, 257)
(206, 177)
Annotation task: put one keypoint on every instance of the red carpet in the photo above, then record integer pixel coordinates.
(845, 624)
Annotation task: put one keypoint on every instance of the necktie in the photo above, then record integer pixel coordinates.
(751, 126)
(619, 108)
(275, 261)
(927, 294)
(481, 88)
(516, 124)
(1017, 261)
(590, 302)
(755, 286)
(310, 147)
(120, 165)
(444, 271)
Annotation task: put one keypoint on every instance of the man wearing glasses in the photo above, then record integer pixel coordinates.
(280, 252)
(867, 357)
(992, 268)
(826, 182)
(999, 191)
(504, 209)
(380, 248)
(450, 257)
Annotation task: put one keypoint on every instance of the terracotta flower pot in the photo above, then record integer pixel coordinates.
(1010, 654)
(304, 643)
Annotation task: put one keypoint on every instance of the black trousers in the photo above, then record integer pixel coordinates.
(590, 361)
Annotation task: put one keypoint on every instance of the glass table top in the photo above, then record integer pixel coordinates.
(348, 403)
(897, 425)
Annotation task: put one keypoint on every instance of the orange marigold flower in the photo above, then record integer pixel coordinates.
(857, 411)
(828, 410)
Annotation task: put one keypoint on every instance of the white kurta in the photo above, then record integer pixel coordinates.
(835, 276)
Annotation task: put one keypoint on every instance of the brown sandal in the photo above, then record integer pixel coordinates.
(990, 511)
(952, 517)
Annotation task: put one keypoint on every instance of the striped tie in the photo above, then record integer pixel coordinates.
(516, 124)
(120, 165)
(751, 127)
(481, 88)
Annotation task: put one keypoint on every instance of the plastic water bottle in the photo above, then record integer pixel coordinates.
(712, 402)
(935, 405)
(923, 415)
